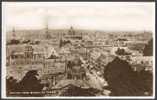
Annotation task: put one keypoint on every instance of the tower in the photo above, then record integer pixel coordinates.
(48, 36)
(28, 52)
(71, 31)
(13, 33)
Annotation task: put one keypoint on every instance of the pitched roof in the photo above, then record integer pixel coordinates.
(78, 83)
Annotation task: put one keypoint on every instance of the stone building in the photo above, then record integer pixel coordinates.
(74, 70)
(72, 34)
(25, 56)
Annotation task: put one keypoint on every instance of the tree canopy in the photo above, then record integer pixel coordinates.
(29, 83)
(123, 81)
(148, 50)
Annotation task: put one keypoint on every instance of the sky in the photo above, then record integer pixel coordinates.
(81, 15)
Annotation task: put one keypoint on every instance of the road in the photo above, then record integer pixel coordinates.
(93, 79)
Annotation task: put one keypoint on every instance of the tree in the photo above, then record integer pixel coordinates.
(11, 83)
(13, 41)
(30, 83)
(123, 81)
(148, 50)
(121, 52)
(64, 42)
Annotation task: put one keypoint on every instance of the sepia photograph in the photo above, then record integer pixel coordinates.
(78, 50)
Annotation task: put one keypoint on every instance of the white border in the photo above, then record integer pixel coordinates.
(3, 68)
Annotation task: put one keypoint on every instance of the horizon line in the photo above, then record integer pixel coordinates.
(144, 30)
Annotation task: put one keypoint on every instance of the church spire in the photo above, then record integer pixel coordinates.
(48, 36)
(13, 32)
